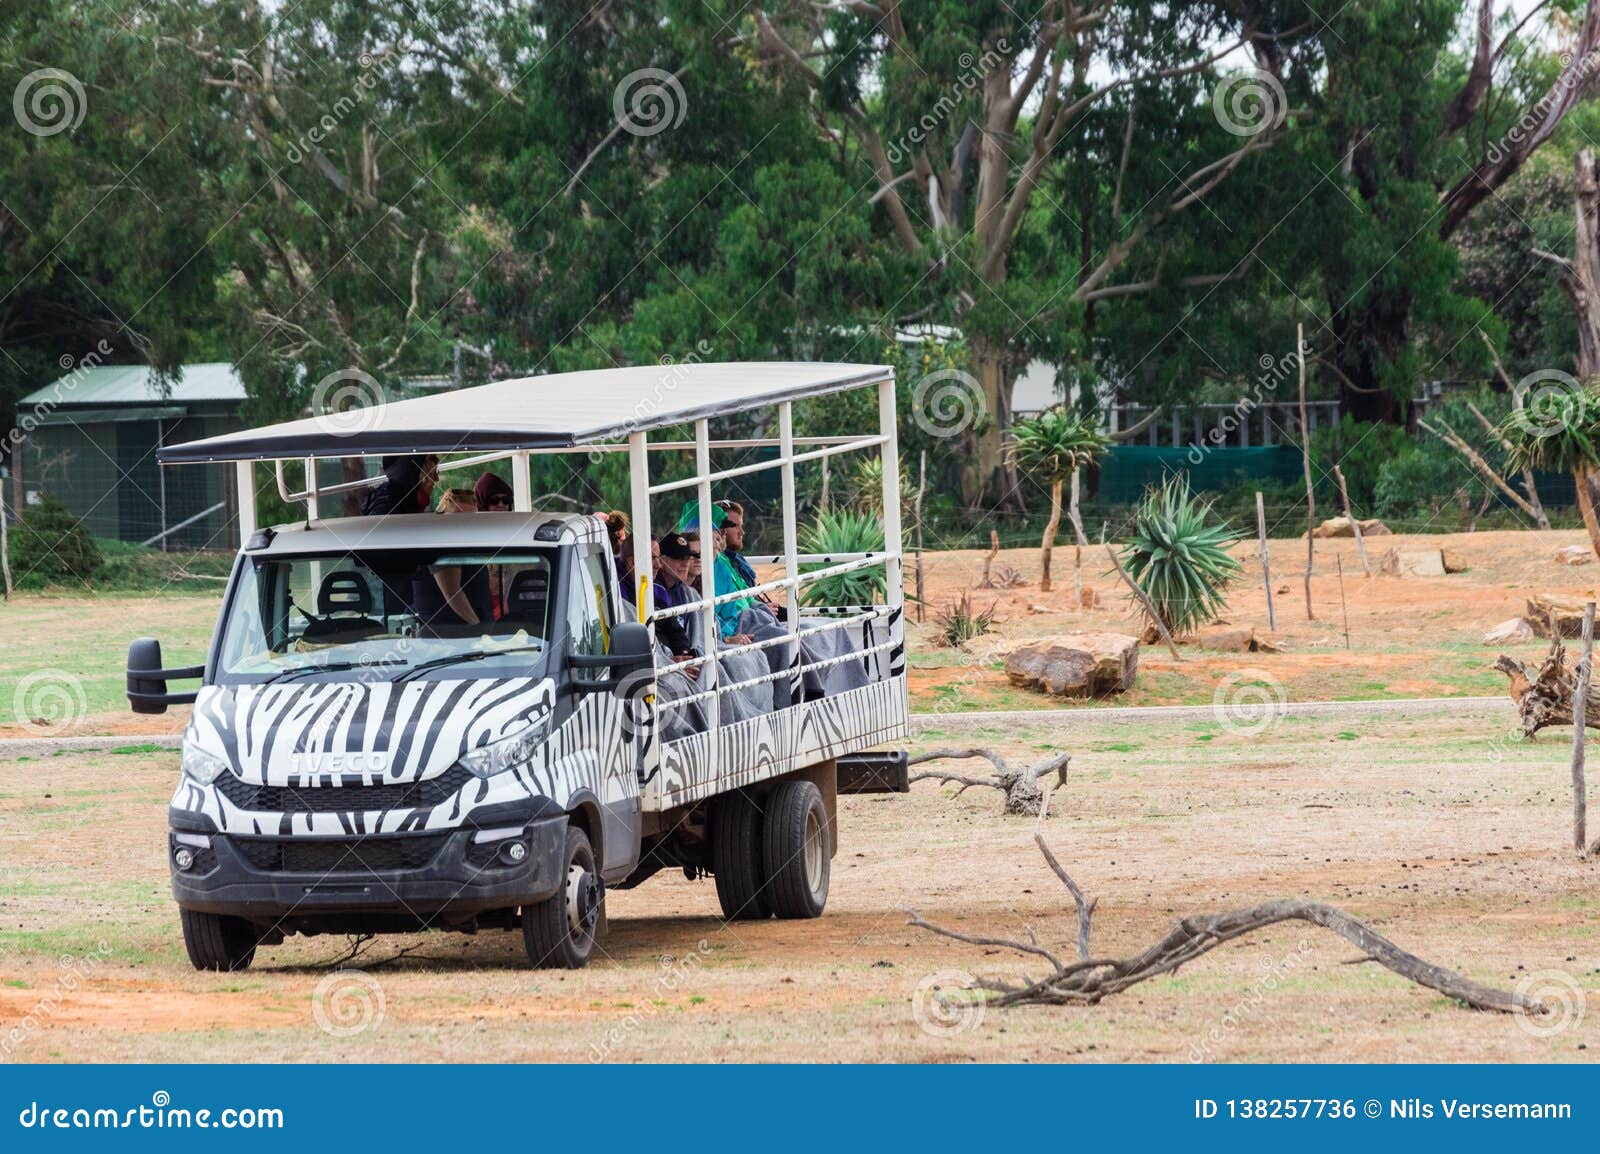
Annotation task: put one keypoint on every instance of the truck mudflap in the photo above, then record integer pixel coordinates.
(457, 872)
(876, 771)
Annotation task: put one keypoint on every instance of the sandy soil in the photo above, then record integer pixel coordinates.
(1447, 837)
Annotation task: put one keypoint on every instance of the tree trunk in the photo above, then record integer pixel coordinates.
(1048, 543)
(986, 475)
(1583, 482)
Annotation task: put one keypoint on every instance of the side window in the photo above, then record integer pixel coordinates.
(586, 615)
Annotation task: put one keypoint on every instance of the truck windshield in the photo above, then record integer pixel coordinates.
(388, 614)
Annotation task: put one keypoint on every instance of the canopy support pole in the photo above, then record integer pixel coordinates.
(639, 473)
(521, 483)
(245, 481)
(791, 564)
(894, 593)
(711, 636)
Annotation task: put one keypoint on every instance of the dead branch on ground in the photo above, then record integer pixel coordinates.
(1021, 786)
(1089, 979)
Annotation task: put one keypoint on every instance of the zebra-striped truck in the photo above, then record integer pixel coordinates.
(469, 721)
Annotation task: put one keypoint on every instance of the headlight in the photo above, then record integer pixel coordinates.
(488, 760)
(200, 766)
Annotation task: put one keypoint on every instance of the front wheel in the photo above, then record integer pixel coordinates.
(217, 941)
(560, 931)
(796, 846)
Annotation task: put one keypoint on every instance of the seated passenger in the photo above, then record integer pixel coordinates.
(407, 486)
(445, 596)
(493, 495)
(674, 586)
(725, 578)
(621, 535)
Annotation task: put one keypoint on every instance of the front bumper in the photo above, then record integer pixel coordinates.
(432, 877)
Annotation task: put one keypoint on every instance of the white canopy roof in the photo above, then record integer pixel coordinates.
(561, 410)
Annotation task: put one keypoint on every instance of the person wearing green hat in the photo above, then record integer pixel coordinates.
(726, 579)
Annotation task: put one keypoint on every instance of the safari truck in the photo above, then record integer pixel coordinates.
(353, 766)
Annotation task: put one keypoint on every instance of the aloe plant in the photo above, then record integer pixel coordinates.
(1179, 556)
(838, 531)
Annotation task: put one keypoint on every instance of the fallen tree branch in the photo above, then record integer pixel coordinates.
(1021, 786)
(1088, 980)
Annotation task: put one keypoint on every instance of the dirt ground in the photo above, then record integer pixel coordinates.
(1408, 637)
(1411, 637)
(1446, 836)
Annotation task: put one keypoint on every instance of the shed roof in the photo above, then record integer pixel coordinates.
(103, 386)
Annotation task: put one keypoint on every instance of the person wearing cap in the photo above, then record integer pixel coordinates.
(674, 587)
(407, 486)
(492, 493)
(725, 579)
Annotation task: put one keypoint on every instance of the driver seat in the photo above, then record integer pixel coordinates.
(344, 603)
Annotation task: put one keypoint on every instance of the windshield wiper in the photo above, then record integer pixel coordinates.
(462, 658)
(336, 667)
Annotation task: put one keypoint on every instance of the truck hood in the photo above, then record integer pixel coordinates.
(361, 733)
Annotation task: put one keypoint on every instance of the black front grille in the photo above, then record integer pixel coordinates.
(341, 854)
(343, 798)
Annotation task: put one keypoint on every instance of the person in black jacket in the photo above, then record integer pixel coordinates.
(407, 486)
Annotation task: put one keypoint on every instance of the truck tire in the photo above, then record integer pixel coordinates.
(560, 931)
(736, 822)
(795, 850)
(217, 941)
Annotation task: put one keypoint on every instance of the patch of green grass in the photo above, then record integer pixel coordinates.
(1116, 747)
(147, 747)
(1347, 736)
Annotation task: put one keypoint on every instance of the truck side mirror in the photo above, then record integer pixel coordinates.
(147, 680)
(630, 653)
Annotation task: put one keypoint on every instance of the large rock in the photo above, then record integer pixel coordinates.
(1341, 527)
(1076, 664)
(1574, 555)
(1513, 632)
(1420, 563)
(1231, 639)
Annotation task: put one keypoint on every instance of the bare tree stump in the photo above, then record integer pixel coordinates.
(1544, 697)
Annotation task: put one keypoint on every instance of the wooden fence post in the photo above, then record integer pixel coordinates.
(1266, 569)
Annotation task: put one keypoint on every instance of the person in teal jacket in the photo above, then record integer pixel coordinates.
(725, 578)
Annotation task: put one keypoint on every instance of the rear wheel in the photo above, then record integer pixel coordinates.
(736, 857)
(217, 941)
(560, 931)
(795, 848)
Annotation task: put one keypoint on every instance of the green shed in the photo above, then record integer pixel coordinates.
(89, 440)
